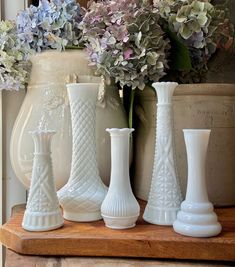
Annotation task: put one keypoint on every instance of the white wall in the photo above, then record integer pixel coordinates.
(11, 191)
(14, 193)
(11, 7)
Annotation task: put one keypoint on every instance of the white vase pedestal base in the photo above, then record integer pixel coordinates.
(197, 220)
(120, 223)
(38, 222)
(82, 217)
(158, 216)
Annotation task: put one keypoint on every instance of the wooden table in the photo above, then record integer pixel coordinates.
(93, 239)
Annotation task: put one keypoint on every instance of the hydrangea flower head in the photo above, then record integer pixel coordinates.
(125, 42)
(14, 72)
(51, 25)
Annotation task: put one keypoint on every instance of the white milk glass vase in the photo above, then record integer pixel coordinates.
(42, 211)
(196, 217)
(120, 208)
(165, 195)
(46, 103)
(82, 196)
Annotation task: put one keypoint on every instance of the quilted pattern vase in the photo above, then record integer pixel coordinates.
(82, 196)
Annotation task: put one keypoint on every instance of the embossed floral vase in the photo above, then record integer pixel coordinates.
(200, 106)
(46, 105)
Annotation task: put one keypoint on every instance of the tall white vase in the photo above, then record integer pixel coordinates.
(42, 211)
(120, 209)
(82, 196)
(196, 217)
(165, 196)
(46, 101)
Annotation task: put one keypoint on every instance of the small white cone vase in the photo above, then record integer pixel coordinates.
(165, 196)
(196, 217)
(42, 211)
(82, 196)
(120, 209)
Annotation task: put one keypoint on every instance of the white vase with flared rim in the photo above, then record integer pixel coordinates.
(42, 211)
(165, 195)
(196, 217)
(82, 196)
(120, 209)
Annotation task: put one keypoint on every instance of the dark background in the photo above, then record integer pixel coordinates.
(35, 2)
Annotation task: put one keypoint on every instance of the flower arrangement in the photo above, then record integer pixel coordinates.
(125, 42)
(14, 72)
(198, 27)
(53, 24)
(130, 42)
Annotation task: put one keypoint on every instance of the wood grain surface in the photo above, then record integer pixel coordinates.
(145, 240)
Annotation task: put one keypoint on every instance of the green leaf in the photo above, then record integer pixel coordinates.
(180, 57)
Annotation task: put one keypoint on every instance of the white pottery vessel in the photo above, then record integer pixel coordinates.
(46, 103)
(196, 217)
(164, 196)
(120, 209)
(42, 211)
(82, 196)
(200, 106)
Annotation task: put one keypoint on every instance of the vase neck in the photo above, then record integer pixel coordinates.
(196, 147)
(42, 141)
(86, 92)
(164, 92)
(83, 114)
(120, 157)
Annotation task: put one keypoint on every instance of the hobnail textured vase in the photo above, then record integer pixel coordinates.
(165, 196)
(120, 209)
(82, 196)
(42, 211)
(196, 217)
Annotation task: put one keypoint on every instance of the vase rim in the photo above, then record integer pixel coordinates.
(120, 130)
(87, 84)
(42, 132)
(196, 130)
(175, 83)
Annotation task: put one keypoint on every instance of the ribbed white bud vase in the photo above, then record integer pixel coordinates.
(165, 196)
(120, 209)
(196, 217)
(82, 196)
(42, 211)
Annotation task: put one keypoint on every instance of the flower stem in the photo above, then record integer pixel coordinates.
(132, 97)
